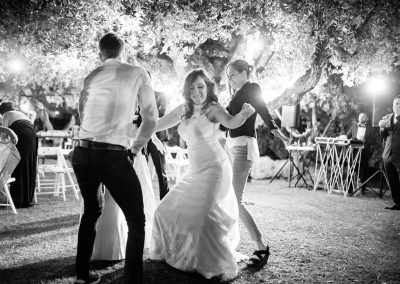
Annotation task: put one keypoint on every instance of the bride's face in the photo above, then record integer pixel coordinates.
(198, 91)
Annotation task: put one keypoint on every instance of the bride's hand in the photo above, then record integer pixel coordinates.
(247, 110)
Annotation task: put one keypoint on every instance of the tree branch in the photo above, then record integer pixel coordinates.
(307, 81)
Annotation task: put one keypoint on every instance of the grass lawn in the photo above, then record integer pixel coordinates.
(315, 237)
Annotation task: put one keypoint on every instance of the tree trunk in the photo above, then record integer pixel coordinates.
(306, 82)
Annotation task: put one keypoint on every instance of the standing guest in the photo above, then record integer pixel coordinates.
(390, 130)
(42, 120)
(243, 147)
(363, 131)
(195, 226)
(158, 156)
(23, 188)
(111, 94)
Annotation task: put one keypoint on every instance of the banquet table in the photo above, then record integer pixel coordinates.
(54, 134)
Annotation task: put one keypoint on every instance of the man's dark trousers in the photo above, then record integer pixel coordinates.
(393, 172)
(112, 168)
(159, 164)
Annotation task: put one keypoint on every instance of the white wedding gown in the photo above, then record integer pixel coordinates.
(112, 230)
(195, 226)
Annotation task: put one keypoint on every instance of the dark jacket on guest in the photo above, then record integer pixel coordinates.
(250, 93)
(161, 101)
(391, 135)
(369, 138)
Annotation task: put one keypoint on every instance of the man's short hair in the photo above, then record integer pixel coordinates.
(5, 107)
(111, 45)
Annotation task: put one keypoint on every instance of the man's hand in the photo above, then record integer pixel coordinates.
(382, 124)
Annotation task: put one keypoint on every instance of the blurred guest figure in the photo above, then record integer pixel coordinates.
(42, 120)
(22, 190)
(390, 130)
(363, 131)
(157, 156)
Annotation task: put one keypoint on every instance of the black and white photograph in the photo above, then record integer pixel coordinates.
(195, 142)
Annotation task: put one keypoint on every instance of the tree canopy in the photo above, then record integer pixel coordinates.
(295, 45)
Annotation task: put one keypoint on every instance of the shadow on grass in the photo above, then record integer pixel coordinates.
(156, 272)
(110, 271)
(40, 271)
(26, 229)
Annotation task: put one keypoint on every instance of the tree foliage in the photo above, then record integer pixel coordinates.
(295, 45)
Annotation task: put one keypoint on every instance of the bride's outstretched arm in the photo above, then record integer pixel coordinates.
(230, 121)
(170, 119)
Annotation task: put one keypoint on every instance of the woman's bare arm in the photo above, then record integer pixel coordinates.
(229, 121)
(169, 120)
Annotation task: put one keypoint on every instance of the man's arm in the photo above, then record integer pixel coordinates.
(149, 113)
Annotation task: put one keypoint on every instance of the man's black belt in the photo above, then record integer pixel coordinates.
(99, 145)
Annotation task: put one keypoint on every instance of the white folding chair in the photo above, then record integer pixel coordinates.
(6, 191)
(9, 159)
(60, 170)
(176, 162)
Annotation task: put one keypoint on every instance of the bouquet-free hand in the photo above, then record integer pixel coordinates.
(382, 124)
(247, 110)
(278, 133)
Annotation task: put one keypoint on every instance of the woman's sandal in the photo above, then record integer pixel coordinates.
(261, 260)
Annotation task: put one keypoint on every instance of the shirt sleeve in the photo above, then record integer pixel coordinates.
(256, 100)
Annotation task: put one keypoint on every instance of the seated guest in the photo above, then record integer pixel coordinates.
(22, 190)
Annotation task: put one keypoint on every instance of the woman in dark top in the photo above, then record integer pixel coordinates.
(243, 147)
(23, 188)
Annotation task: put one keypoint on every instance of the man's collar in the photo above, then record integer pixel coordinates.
(111, 61)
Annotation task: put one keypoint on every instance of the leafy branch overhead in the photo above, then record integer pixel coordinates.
(291, 43)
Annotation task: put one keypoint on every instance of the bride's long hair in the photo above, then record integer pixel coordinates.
(211, 91)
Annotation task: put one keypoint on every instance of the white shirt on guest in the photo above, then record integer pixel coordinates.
(361, 133)
(108, 102)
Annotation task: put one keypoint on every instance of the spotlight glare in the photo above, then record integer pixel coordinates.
(15, 65)
(378, 85)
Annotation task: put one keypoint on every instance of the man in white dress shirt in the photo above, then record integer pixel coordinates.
(111, 93)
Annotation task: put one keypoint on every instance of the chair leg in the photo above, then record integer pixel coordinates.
(71, 180)
(38, 181)
(57, 180)
(63, 186)
(9, 199)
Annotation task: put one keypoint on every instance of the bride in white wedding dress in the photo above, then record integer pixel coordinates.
(195, 226)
